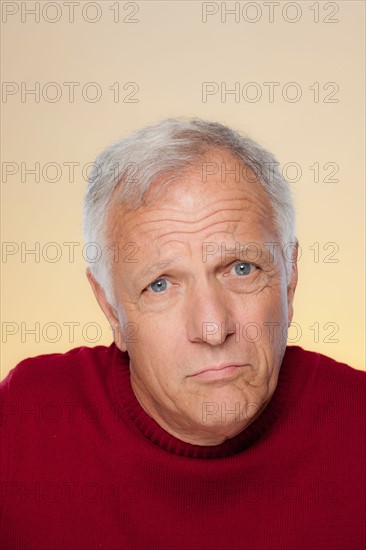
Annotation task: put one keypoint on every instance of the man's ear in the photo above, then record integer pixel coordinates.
(108, 311)
(291, 287)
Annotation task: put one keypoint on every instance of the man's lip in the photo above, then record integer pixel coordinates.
(217, 368)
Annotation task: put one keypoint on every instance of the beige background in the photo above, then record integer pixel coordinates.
(168, 52)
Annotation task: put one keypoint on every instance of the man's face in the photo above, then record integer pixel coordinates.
(210, 312)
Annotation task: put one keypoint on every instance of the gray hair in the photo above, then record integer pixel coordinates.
(133, 164)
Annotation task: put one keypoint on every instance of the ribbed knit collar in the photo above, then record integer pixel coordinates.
(131, 409)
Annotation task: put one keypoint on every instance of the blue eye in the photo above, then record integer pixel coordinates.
(159, 285)
(243, 268)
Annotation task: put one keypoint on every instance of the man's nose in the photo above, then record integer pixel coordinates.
(208, 318)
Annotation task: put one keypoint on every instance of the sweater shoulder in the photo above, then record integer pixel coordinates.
(330, 375)
(44, 374)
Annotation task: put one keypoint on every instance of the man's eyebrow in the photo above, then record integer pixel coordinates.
(153, 268)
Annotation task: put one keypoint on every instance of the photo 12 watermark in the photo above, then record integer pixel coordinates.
(270, 12)
(51, 332)
(272, 331)
(71, 12)
(69, 171)
(292, 171)
(270, 92)
(68, 252)
(69, 92)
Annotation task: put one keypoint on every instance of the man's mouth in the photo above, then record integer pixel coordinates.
(218, 372)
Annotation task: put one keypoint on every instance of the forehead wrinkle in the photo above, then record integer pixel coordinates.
(186, 232)
(225, 219)
(213, 203)
(158, 207)
(248, 204)
(227, 232)
(230, 232)
(172, 241)
(185, 221)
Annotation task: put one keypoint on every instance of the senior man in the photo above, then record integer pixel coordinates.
(197, 428)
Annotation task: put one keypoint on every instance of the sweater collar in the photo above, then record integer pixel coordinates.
(148, 427)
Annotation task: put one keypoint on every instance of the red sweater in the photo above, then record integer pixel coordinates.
(85, 468)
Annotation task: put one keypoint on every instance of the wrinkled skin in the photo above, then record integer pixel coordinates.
(199, 300)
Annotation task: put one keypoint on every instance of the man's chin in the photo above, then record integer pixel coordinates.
(226, 418)
(215, 433)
